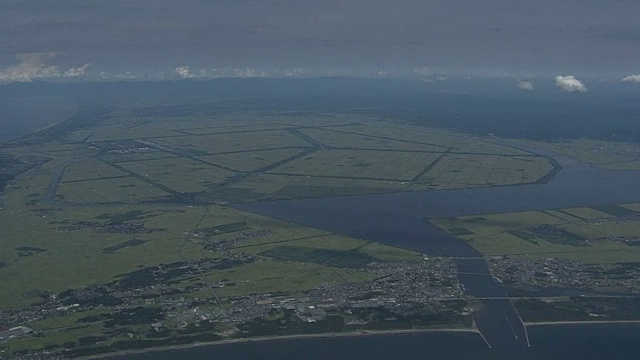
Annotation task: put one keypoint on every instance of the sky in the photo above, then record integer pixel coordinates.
(428, 39)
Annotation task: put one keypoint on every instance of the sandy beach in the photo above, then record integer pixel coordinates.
(276, 338)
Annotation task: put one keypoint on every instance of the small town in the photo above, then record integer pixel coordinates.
(398, 288)
(531, 273)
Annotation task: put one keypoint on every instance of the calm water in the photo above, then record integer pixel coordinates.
(21, 116)
(399, 220)
(584, 342)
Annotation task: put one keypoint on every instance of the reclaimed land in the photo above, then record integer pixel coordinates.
(118, 211)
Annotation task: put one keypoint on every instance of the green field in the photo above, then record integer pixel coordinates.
(109, 190)
(591, 235)
(459, 171)
(179, 174)
(360, 164)
(174, 168)
(249, 161)
(137, 203)
(339, 139)
(124, 158)
(604, 154)
(91, 169)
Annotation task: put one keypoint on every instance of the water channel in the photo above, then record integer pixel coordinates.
(398, 219)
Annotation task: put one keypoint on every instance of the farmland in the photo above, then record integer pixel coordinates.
(129, 213)
(125, 158)
(175, 169)
(599, 234)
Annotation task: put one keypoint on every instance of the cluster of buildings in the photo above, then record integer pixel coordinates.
(397, 287)
(530, 273)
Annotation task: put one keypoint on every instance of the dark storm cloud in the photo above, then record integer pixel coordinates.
(493, 35)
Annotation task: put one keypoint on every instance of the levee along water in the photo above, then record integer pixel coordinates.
(398, 219)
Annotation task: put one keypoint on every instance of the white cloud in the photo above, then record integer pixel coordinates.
(570, 84)
(632, 78)
(32, 67)
(185, 72)
(76, 71)
(249, 73)
(423, 71)
(126, 76)
(525, 85)
(441, 78)
(294, 72)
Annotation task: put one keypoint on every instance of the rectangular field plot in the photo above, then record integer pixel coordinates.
(456, 171)
(606, 154)
(151, 129)
(297, 186)
(233, 142)
(443, 138)
(117, 190)
(234, 127)
(339, 139)
(491, 224)
(586, 213)
(137, 155)
(335, 258)
(551, 233)
(179, 174)
(360, 164)
(251, 160)
(90, 170)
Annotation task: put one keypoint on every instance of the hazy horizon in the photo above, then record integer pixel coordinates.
(95, 40)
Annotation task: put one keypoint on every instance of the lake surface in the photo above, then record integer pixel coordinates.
(399, 220)
(562, 342)
(22, 116)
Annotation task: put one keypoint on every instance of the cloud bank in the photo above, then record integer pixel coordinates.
(32, 67)
(570, 84)
(525, 85)
(185, 72)
(632, 78)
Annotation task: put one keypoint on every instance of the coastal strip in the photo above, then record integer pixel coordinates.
(279, 338)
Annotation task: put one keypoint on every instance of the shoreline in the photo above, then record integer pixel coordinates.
(73, 113)
(274, 338)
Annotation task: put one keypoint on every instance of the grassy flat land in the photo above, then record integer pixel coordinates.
(59, 216)
(592, 235)
(90, 169)
(248, 161)
(455, 142)
(360, 164)
(609, 155)
(179, 174)
(135, 204)
(109, 190)
(247, 140)
(124, 158)
(340, 139)
(459, 171)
